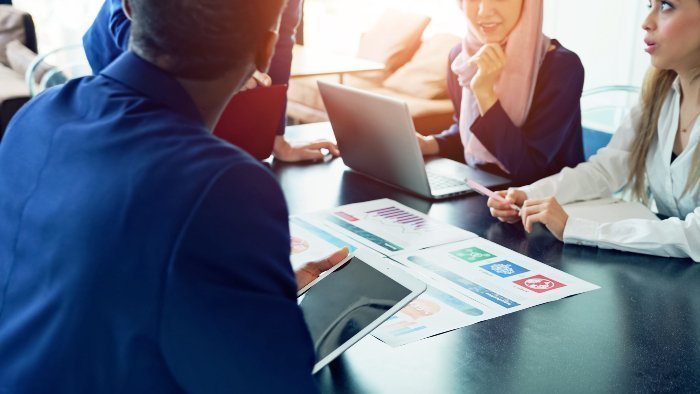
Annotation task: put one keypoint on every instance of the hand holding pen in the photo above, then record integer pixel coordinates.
(505, 204)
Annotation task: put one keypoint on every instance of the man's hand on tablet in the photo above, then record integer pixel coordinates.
(312, 270)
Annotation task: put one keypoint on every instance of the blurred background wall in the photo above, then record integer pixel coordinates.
(605, 34)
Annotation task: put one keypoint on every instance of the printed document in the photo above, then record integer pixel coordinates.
(470, 279)
(480, 276)
(387, 226)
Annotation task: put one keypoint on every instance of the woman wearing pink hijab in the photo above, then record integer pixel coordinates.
(516, 95)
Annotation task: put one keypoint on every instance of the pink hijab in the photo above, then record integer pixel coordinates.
(525, 50)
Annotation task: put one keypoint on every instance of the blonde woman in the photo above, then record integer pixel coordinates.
(654, 154)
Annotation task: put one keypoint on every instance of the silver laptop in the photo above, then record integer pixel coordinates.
(376, 137)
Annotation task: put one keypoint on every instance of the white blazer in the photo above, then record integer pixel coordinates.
(608, 171)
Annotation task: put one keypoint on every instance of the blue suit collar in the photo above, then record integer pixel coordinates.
(147, 78)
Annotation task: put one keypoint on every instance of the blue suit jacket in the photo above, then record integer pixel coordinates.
(138, 253)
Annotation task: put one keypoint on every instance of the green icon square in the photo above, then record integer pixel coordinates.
(472, 255)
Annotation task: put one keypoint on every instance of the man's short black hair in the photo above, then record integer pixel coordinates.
(201, 39)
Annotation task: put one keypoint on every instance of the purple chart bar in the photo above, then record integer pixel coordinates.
(400, 216)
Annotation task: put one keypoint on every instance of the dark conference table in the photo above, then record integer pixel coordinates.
(639, 333)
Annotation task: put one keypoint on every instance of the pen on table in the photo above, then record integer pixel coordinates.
(489, 193)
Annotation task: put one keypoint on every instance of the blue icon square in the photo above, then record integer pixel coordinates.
(504, 268)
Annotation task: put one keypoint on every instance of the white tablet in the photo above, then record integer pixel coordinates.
(323, 275)
(353, 300)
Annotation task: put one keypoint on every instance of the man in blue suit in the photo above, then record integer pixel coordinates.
(138, 253)
(108, 37)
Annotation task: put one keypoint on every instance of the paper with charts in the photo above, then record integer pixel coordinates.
(469, 279)
(312, 243)
(472, 281)
(439, 309)
(386, 226)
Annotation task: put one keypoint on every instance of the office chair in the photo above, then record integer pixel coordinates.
(56, 67)
(602, 110)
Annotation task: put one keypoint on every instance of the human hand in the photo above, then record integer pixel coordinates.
(503, 210)
(546, 211)
(490, 60)
(428, 145)
(258, 79)
(312, 270)
(285, 151)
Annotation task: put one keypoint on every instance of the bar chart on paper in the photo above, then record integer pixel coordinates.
(406, 221)
(391, 228)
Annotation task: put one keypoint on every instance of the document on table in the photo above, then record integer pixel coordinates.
(469, 279)
(483, 276)
(387, 226)
(312, 243)
(608, 210)
(439, 309)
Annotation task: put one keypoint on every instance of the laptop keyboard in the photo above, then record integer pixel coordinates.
(438, 182)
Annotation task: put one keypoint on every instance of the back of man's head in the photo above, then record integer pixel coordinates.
(201, 39)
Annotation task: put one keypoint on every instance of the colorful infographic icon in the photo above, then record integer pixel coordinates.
(299, 245)
(539, 284)
(504, 269)
(472, 255)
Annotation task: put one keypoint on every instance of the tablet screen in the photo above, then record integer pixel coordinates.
(347, 301)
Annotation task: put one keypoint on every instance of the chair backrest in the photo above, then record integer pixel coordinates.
(602, 111)
(57, 67)
(15, 24)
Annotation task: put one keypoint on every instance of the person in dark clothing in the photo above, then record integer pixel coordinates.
(516, 95)
(108, 37)
(138, 252)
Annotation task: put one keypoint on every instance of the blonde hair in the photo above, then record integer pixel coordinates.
(657, 84)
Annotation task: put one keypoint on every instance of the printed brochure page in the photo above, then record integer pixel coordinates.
(387, 226)
(469, 278)
(478, 275)
(439, 309)
(312, 243)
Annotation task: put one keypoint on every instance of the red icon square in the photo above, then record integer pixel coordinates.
(539, 283)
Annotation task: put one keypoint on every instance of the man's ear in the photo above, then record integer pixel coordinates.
(263, 56)
(127, 8)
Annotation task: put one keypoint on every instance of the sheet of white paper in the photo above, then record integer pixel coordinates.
(484, 275)
(469, 279)
(311, 243)
(387, 226)
(434, 312)
(609, 210)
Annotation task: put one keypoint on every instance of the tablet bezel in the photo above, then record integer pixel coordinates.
(394, 271)
(304, 289)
